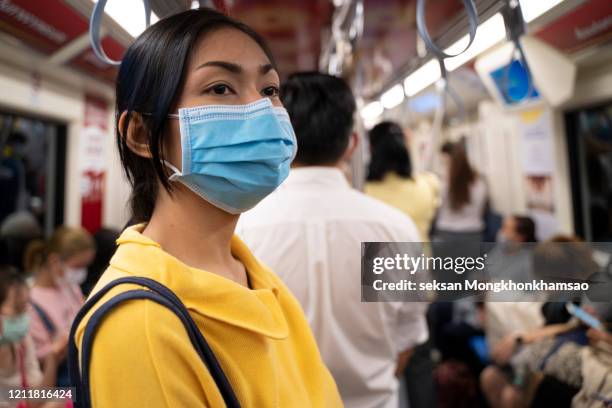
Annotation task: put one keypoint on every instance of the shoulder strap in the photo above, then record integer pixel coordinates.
(44, 317)
(159, 294)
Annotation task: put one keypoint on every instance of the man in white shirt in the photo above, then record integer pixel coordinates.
(310, 232)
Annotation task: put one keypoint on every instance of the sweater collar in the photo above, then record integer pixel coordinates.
(257, 309)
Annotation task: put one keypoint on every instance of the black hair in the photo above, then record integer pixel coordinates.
(389, 152)
(447, 148)
(321, 108)
(9, 277)
(525, 226)
(150, 79)
(105, 249)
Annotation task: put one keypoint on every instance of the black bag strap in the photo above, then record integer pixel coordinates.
(159, 294)
(44, 318)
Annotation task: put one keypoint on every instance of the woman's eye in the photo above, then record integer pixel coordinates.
(219, 89)
(270, 91)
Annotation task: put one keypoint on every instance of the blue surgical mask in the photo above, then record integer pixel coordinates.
(235, 155)
(14, 328)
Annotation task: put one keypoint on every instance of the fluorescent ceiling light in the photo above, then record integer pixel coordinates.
(370, 123)
(420, 79)
(533, 9)
(488, 34)
(129, 14)
(392, 97)
(372, 110)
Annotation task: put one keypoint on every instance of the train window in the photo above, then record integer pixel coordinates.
(32, 171)
(589, 133)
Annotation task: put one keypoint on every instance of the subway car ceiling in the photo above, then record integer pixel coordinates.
(55, 33)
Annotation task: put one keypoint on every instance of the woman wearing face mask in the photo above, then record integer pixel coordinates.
(59, 266)
(19, 366)
(202, 137)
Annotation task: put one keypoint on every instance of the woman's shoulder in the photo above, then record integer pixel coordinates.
(130, 317)
(134, 321)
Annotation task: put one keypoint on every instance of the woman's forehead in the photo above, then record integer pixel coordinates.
(229, 45)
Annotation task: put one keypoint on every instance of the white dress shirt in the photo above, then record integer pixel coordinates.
(310, 232)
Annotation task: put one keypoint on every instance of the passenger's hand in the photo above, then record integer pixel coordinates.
(504, 349)
(402, 361)
(595, 335)
(59, 348)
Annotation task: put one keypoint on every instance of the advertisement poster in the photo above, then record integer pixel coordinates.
(92, 162)
(537, 157)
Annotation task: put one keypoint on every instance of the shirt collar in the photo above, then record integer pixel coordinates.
(257, 309)
(316, 177)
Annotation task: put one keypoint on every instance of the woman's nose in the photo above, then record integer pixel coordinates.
(250, 95)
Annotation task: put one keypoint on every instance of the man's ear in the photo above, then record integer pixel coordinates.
(350, 149)
(136, 134)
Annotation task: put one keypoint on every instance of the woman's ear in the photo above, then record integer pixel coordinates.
(136, 134)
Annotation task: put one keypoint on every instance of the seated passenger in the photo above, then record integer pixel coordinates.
(19, 366)
(542, 365)
(596, 387)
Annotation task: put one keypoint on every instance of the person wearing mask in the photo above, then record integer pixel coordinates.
(511, 259)
(19, 367)
(464, 198)
(541, 366)
(392, 180)
(311, 231)
(203, 137)
(59, 265)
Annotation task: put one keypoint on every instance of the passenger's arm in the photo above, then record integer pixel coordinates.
(142, 357)
(52, 360)
(599, 335)
(40, 334)
(402, 361)
(412, 331)
(505, 348)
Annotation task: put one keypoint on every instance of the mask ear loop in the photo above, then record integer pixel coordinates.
(176, 172)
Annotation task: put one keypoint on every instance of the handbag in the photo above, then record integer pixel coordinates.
(158, 293)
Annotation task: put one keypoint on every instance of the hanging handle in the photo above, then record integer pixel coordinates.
(95, 24)
(472, 13)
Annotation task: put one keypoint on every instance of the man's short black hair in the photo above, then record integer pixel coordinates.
(321, 108)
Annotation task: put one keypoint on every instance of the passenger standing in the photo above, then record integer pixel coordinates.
(391, 178)
(310, 231)
(59, 266)
(464, 198)
(193, 173)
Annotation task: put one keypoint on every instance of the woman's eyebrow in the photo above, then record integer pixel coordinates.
(229, 66)
(264, 69)
(235, 68)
